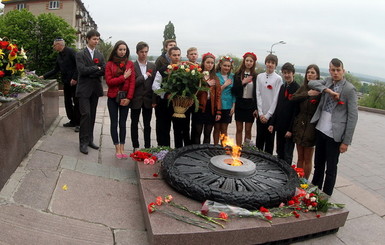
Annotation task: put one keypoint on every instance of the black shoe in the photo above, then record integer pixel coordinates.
(93, 146)
(83, 149)
(68, 125)
(77, 129)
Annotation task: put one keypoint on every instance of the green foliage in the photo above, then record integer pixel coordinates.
(36, 35)
(106, 48)
(169, 32)
(376, 96)
(354, 80)
(298, 78)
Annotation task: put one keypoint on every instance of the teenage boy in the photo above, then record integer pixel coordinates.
(283, 117)
(164, 60)
(163, 111)
(192, 55)
(268, 85)
(66, 65)
(336, 117)
(90, 64)
(142, 100)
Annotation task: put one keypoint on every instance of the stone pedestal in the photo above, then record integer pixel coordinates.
(22, 123)
(162, 229)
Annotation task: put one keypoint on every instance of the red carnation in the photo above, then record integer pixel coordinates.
(149, 70)
(290, 97)
(151, 207)
(4, 44)
(19, 66)
(155, 175)
(121, 65)
(223, 215)
(313, 101)
(318, 216)
(263, 210)
(2, 74)
(269, 86)
(96, 60)
(340, 102)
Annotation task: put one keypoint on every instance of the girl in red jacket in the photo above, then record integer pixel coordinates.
(120, 79)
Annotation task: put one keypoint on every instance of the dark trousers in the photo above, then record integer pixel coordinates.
(163, 114)
(265, 139)
(146, 114)
(181, 137)
(198, 128)
(327, 153)
(285, 147)
(87, 107)
(71, 104)
(119, 114)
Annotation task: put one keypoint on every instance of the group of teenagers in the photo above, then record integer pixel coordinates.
(319, 114)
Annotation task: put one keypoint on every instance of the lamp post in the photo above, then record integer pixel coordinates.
(271, 49)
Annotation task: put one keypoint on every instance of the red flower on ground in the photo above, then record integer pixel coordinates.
(168, 199)
(340, 102)
(318, 216)
(291, 202)
(155, 175)
(96, 60)
(263, 210)
(223, 215)
(269, 86)
(151, 207)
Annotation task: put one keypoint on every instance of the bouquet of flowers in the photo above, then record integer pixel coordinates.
(12, 63)
(183, 82)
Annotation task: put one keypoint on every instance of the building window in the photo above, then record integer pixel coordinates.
(54, 5)
(20, 6)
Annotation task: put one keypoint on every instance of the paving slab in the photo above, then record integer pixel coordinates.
(368, 230)
(127, 237)
(98, 200)
(44, 160)
(21, 225)
(37, 188)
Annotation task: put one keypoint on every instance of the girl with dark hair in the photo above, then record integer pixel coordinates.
(120, 79)
(304, 133)
(244, 91)
(226, 80)
(209, 102)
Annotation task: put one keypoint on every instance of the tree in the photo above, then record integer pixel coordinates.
(169, 32)
(376, 96)
(105, 47)
(354, 80)
(36, 35)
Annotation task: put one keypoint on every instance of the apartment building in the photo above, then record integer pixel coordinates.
(72, 11)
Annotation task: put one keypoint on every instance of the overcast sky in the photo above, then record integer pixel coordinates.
(315, 31)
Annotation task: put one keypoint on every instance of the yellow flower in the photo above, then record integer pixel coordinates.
(1, 54)
(65, 187)
(11, 68)
(304, 186)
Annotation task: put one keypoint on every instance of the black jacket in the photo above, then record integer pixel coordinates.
(66, 65)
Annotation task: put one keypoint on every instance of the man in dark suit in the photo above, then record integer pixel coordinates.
(90, 64)
(336, 117)
(66, 65)
(142, 100)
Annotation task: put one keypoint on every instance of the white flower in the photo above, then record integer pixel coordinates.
(169, 67)
(313, 199)
(307, 196)
(205, 73)
(182, 67)
(193, 72)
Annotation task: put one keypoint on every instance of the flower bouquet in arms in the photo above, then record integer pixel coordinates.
(182, 83)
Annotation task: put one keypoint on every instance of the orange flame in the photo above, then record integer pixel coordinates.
(236, 150)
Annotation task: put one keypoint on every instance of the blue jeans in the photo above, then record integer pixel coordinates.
(117, 113)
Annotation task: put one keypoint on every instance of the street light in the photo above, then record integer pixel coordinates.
(280, 42)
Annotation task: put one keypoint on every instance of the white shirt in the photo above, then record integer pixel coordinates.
(91, 52)
(267, 98)
(143, 69)
(156, 84)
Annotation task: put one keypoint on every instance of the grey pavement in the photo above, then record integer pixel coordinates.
(59, 195)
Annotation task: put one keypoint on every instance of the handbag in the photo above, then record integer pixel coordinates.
(121, 95)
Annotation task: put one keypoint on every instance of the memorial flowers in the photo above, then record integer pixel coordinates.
(182, 83)
(12, 63)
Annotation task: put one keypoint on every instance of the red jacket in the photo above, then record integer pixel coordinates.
(116, 84)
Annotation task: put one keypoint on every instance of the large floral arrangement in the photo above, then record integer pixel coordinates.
(12, 62)
(183, 80)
